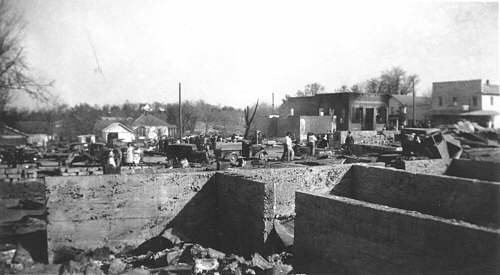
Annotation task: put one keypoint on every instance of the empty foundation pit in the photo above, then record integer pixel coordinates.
(229, 211)
(349, 218)
(380, 221)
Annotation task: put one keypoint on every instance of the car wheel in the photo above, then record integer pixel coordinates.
(233, 158)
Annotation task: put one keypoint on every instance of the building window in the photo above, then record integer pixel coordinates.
(357, 115)
(455, 103)
(474, 101)
(491, 100)
(440, 101)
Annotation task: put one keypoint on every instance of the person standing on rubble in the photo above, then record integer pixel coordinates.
(311, 140)
(287, 147)
(130, 154)
(290, 154)
(349, 141)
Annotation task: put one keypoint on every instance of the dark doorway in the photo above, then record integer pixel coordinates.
(369, 119)
(112, 136)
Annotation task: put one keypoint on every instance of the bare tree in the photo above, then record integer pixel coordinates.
(15, 74)
(311, 89)
(397, 81)
(249, 118)
(373, 85)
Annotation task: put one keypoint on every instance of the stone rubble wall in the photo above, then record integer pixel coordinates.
(16, 174)
(368, 137)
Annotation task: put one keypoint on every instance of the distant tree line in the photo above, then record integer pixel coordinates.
(393, 82)
(81, 118)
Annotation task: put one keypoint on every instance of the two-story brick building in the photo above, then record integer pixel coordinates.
(452, 100)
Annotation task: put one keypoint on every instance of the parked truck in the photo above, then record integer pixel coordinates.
(429, 142)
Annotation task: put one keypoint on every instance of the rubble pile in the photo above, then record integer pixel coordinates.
(80, 171)
(473, 135)
(159, 255)
(17, 174)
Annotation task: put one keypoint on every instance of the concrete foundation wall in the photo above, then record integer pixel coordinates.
(244, 213)
(119, 210)
(283, 183)
(474, 169)
(469, 200)
(464, 168)
(345, 236)
(427, 166)
(12, 213)
(249, 200)
(228, 211)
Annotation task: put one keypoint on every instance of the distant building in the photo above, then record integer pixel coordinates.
(12, 137)
(104, 122)
(39, 132)
(478, 101)
(151, 127)
(118, 131)
(86, 138)
(401, 110)
(354, 111)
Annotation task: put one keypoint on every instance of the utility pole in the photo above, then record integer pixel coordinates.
(180, 113)
(273, 105)
(414, 109)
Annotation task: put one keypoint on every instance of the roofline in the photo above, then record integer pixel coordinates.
(121, 124)
(416, 103)
(455, 81)
(336, 93)
(15, 130)
(497, 94)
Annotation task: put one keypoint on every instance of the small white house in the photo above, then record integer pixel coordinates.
(118, 131)
(150, 127)
(39, 139)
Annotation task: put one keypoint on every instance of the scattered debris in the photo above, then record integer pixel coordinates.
(205, 265)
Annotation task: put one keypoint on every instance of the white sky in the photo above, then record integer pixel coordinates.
(235, 52)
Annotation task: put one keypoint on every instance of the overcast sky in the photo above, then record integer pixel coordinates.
(235, 52)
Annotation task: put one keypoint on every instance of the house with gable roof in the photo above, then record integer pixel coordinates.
(151, 127)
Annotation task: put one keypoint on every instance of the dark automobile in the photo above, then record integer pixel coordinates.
(177, 152)
(13, 155)
(95, 154)
(429, 142)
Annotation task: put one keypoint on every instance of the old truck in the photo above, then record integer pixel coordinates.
(231, 152)
(429, 142)
(177, 152)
